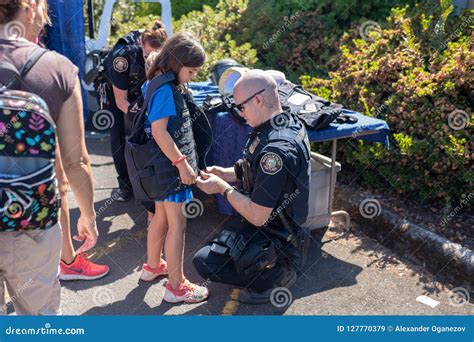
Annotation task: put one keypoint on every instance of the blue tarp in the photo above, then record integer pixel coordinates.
(66, 35)
(230, 137)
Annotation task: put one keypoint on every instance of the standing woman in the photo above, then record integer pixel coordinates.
(125, 75)
(169, 124)
(33, 256)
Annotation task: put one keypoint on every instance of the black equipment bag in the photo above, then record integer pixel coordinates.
(316, 112)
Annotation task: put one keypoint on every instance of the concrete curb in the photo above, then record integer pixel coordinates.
(409, 240)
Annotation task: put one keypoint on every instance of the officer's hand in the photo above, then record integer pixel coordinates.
(186, 173)
(216, 170)
(210, 183)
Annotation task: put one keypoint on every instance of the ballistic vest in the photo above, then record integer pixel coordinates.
(151, 173)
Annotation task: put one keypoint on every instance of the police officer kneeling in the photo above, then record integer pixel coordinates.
(266, 245)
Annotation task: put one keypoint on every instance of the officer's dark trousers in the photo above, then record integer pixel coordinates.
(220, 268)
(117, 144)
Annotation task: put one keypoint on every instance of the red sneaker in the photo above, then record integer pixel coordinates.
(82, 269)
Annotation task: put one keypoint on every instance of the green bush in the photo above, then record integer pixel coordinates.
(182, 7)
(301, 37)
(136, 23)
(178, 7)
(129, 16)
(418, 76)
(213, 27)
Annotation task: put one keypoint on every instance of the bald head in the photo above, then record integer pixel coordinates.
(254, 81)
(257, 91)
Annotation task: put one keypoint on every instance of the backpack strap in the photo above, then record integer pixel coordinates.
(9, 69)
(34, 57)
(139, 119)
(18, 76)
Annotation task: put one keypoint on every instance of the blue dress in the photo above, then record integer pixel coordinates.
(161, 105)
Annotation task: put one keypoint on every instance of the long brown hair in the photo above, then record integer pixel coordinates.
(155, 36)
(9, 9)
(180, 50)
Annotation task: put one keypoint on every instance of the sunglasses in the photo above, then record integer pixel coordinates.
(241, 107)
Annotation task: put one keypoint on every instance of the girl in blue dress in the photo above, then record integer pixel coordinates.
(169, 124)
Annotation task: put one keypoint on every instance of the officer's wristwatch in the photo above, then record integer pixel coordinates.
(227, 190)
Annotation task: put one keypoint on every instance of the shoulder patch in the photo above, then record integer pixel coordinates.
(120, 64)
(271, 163)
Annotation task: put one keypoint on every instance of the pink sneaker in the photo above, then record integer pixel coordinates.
(149, 274)
(82, 269)
(186, 292)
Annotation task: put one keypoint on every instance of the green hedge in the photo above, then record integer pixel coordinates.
(301, 37)
(214, 27)
(128, 16)
(417, 74)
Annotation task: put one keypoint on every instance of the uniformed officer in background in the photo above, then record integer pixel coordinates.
(125, 74)
(266, 246)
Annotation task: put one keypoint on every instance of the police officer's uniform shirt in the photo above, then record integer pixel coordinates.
(120, 63)
(280, 163)
(276, 162)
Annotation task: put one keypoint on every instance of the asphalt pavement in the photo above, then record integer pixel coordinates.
(349, 274)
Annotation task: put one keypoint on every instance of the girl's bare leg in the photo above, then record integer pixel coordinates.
(156, 235)
(174, 245)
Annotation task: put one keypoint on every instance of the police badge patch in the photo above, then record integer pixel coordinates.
(120, 64)
(271, 163)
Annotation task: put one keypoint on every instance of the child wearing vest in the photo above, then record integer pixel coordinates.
(168, 123)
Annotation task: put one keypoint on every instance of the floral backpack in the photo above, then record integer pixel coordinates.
(28, 188)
